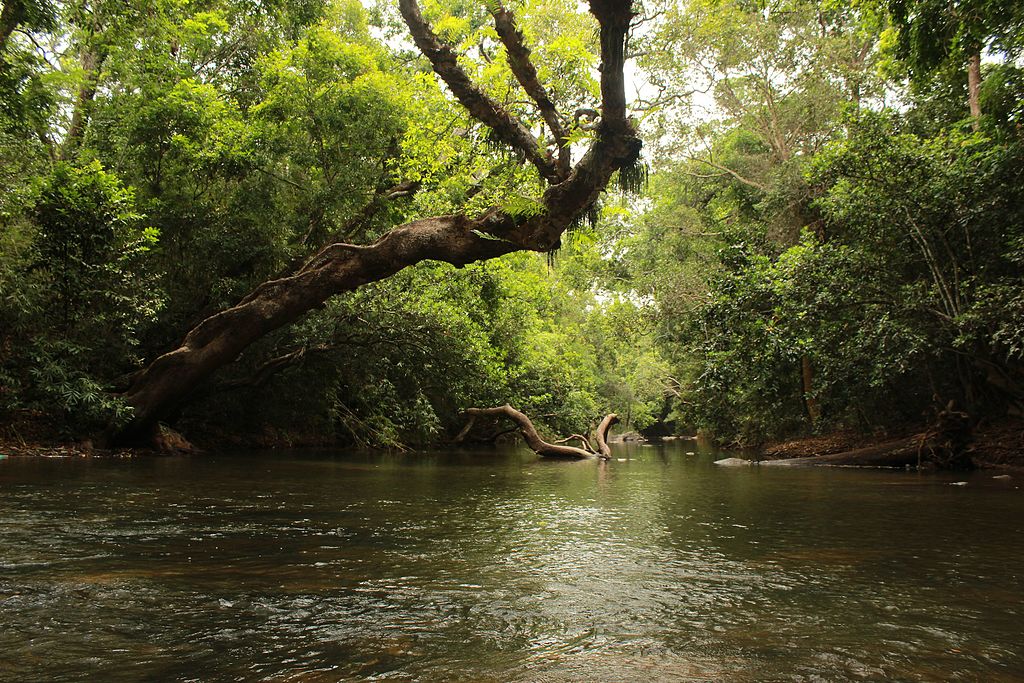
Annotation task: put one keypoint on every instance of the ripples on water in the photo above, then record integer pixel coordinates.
(495, 566)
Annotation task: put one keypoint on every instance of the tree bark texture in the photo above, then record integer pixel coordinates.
(601, 436)
(457, 239)
(539, 445)
(807, 381)
(12, 14)
(974, 87)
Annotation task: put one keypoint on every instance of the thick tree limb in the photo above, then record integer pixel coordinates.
(217, 340)
(444, 61)
(614, 16)
(525, 72)
(529, 432)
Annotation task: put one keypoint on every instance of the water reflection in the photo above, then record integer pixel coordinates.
(498, 566)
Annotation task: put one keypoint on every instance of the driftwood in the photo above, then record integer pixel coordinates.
(539, 445)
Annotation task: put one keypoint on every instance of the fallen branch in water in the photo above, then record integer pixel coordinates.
(539, 445)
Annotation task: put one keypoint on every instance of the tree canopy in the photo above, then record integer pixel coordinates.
(314, 221)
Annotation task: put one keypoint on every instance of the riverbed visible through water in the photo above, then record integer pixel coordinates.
(500, 566)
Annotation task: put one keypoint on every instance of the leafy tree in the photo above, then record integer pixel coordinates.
(933, 35)
(458, 239)
(79, 294)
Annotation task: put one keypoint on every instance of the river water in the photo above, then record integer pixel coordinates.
(498, 566)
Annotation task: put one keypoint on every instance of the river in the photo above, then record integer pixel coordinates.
(498, 566)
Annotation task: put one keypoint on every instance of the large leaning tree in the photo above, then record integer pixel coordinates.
(570, 190)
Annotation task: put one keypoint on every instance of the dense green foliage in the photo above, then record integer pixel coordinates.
(825, 261)
(160, 160)
(823, 243)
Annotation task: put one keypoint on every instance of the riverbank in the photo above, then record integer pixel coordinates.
(17, 446)
(993, 444)
(30, 433)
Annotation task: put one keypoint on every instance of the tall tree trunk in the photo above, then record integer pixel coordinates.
(974, 87)
(457, 239)
(91, 62)
(807, 377)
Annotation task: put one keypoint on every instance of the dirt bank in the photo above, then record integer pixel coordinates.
(993, 444)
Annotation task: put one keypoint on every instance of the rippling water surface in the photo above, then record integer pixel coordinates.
(496, 566)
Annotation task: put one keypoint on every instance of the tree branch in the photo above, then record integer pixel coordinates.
(734, 174)
(267, 370)
(577, 437)
(444, 60)
(614, 16)
(525, 72)
(404, 189)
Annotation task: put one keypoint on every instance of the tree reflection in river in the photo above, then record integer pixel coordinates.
(499, 566)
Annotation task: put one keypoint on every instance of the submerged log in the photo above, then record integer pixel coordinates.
(539, 445)
(913, 452)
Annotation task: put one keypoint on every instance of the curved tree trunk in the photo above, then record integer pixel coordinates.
(458, 239)
(601, 436)
(539, 445)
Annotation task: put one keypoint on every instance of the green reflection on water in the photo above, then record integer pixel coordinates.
(499, 566)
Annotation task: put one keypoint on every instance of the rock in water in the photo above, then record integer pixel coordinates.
(733, 462)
